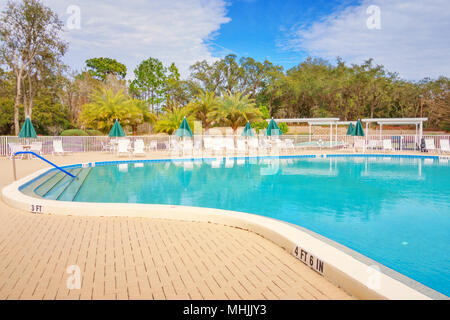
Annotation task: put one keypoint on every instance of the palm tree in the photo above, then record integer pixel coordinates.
(139, 114)
(202, 106)
(235, 110)
(171, 120)
(106, 106)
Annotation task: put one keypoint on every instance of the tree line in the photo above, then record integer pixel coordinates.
(35, 83)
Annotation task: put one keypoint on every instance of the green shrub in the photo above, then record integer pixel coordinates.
(283, 127)
(73, 132)
(259, 126)
(93, 132)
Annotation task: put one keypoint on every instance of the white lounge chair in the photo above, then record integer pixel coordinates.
(429, 145)
(58, 148)
(106, 147)
(372, 144)
(15, 147)
(445, 146)
(139, 148)
(360, 144)
(123, 147)
(36, 147)
(387, 144)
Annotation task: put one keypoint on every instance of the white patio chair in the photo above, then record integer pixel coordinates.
(372, 144)
(36, 147)
(139, 148)
(123, 147)
(153, 145)
(58, 148)
(278, 144)
(360, 144)
(265, 145)
(387, 145)
(106, 147)
(445, 146)
(289, 143)
(429, 145)
(175, 145)
(15, 147)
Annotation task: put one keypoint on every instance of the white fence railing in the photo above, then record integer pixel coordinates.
(97, 143)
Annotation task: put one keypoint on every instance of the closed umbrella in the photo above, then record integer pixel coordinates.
(184, 130)
(248, 130)
(350, 129)
(273, 129)
(116, 130)
(27, 130)
(358, 131)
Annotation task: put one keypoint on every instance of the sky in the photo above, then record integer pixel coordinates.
(410, 37)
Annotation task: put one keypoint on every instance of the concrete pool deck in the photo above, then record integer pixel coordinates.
(141, 258)
(129, 258)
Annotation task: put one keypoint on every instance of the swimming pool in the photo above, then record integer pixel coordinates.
(394, 210)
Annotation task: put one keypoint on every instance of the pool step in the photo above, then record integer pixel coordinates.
(48, 184)
(72, 189)
(61, 185)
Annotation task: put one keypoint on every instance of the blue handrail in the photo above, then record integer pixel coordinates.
(36, 155)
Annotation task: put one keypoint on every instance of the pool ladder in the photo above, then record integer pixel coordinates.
(38, 156)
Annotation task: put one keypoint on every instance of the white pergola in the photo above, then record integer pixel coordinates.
(312, 122)
(418, 122)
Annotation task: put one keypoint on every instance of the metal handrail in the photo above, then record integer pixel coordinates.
(36, 155)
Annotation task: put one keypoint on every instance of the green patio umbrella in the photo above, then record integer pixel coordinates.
(27, 130)
(350, 129)
(116, 130)
(184, 130)
(248, 130)
(273, 126)
(358, 131)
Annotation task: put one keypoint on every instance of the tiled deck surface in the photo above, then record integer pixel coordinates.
(139, 258)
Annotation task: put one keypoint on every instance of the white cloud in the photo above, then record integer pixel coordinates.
(131, 31)
(414, 39)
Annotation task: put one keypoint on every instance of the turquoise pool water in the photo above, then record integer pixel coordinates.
(393, 210)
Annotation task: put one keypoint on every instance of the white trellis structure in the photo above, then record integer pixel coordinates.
(418, 122)
(314, 122)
